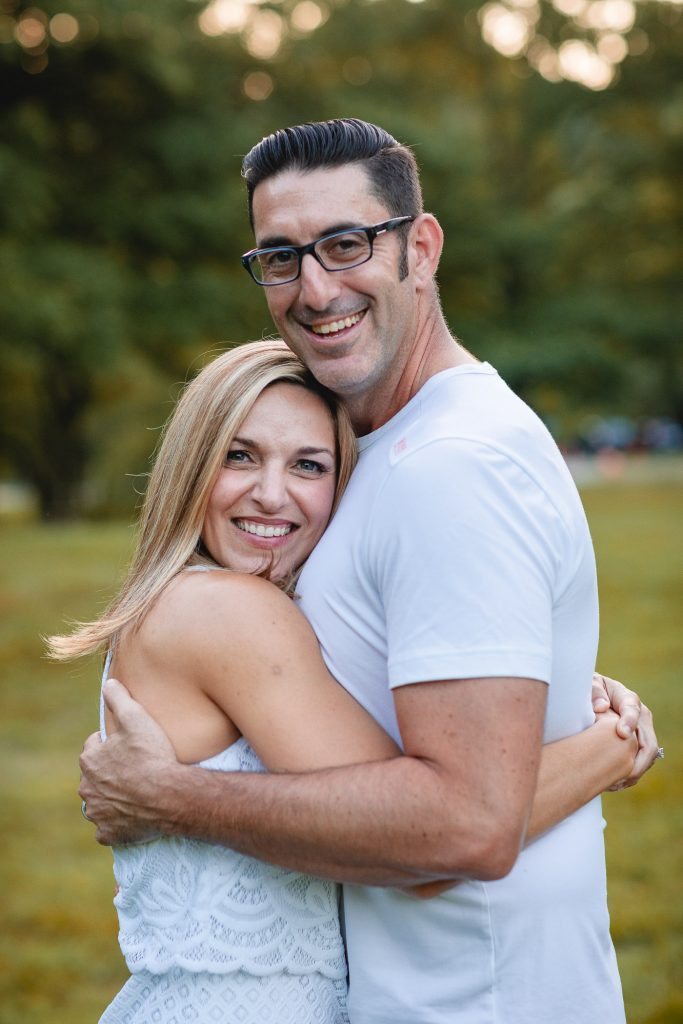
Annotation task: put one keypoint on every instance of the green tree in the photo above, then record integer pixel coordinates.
(122, 217)
(118, 165)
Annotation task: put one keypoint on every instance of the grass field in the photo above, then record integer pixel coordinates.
(59, 960)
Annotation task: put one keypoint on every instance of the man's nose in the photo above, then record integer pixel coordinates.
(317, 286)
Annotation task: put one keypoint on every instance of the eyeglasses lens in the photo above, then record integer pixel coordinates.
(335, 252)
(341, 251)
(275, 266)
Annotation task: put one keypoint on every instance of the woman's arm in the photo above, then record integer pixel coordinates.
(578, 768)
(228, 647)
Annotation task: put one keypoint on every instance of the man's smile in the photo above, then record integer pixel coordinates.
(335, 326)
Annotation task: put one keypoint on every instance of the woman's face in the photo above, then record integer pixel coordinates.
(274, 494)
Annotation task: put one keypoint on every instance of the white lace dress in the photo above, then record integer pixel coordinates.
(216, 937)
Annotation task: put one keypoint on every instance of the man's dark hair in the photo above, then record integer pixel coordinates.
(390, 166)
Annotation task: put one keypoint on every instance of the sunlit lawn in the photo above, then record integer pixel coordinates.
(59, 961)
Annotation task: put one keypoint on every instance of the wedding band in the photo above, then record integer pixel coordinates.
(660, 753)
(83, 811)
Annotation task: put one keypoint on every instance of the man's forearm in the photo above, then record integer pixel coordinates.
(388, 823)
(456, 807)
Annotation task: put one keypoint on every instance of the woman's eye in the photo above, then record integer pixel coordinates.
(237, 457)
(311, 466)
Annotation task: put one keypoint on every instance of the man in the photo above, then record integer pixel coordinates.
(454, 595)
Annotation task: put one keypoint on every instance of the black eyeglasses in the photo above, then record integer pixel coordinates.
(340, 250)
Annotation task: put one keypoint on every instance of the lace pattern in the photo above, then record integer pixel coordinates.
(179, 997)
(184, 903)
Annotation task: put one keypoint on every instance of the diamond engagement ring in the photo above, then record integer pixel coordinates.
(660, 753)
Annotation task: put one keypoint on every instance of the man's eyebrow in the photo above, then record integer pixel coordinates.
(282, 240)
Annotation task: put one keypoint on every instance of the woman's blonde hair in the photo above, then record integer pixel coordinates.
(190, 454)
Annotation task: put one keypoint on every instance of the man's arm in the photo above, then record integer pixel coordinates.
(130, 783)
(456, 805)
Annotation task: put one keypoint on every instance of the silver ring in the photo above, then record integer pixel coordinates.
(660, 753)
(83, 811)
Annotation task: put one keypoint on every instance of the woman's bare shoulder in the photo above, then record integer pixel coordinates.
(201, 601)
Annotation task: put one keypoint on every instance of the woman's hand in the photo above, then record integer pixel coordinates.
(619, 753)
(580, 767)
(634, 718)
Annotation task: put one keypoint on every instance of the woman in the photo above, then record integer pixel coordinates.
(252, 464)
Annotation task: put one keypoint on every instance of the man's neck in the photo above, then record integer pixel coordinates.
(434, 351)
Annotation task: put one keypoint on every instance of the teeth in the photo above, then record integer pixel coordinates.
(336, 325)
(259, 530)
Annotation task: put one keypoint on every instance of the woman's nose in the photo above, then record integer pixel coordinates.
(270, 489)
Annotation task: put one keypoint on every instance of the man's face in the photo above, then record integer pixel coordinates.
(352, 328)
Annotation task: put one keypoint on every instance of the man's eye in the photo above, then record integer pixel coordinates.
(277, 259)
(349, 244)
(345, 247)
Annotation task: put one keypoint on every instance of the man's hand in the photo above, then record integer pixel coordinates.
(116, 776)
(634, 717)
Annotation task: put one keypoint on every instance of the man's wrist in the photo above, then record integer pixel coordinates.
(175, 793)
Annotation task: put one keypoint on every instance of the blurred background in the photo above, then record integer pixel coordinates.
(550, 137)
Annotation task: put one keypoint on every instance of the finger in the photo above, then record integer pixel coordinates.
(93, 740)
(599, 693)
(629, 716)
(627, 705)
(647, 752)
(118, 700)
(107, 836)
(85, 791)
(91, 744)
(647, 738)
(102, 836)
(648, 749)
(640, 766)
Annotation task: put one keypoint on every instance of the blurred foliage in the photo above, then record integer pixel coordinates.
(122, 216)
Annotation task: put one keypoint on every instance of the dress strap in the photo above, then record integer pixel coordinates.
(105, 676)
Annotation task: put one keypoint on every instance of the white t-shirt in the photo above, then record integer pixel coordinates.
(461, 550)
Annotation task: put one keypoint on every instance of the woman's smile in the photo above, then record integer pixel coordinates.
(276, 488)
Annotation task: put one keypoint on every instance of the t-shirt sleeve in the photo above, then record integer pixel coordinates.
(465, 548)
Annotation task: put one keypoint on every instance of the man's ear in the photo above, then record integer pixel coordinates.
(426, 243)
